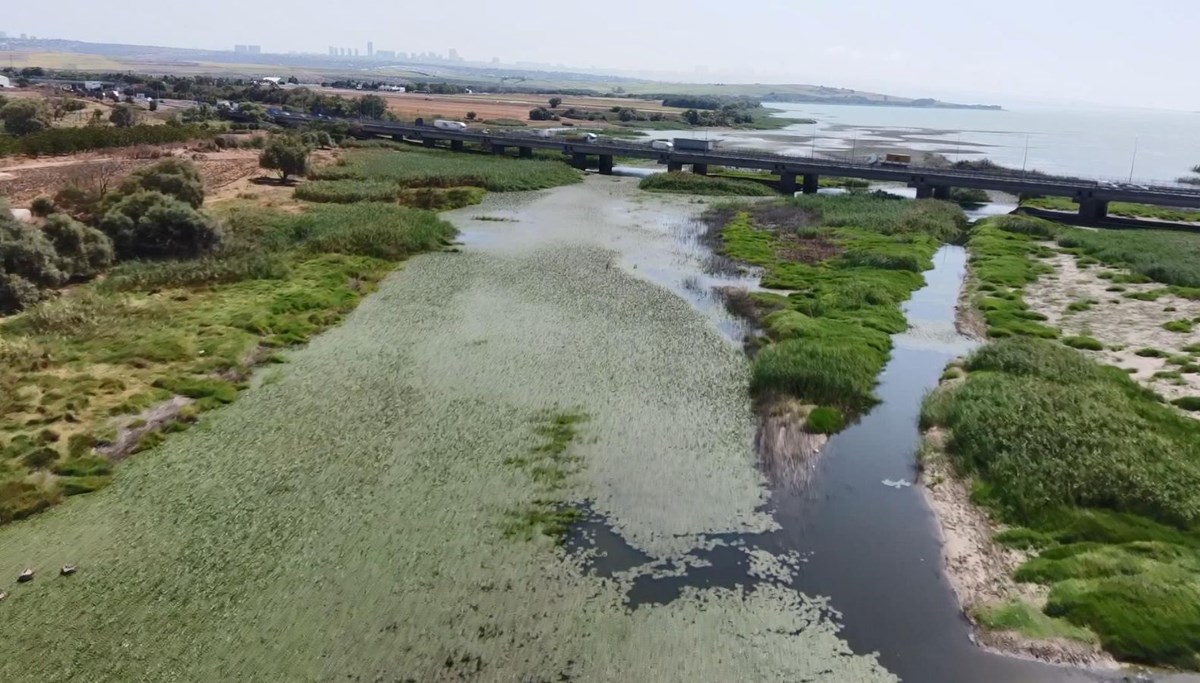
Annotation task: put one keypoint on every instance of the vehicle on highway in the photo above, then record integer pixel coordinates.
(443, 124)
(694, 144)
(661, 145)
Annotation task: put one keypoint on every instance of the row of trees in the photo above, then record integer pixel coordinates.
(84, 138)
(27, 115)
(86, 227)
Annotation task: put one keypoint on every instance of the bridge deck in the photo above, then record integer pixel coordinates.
(1075, 188)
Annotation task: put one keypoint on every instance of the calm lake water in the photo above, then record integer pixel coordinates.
(1089, 142)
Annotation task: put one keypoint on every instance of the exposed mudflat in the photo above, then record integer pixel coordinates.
(343, 521)
(1124, 325)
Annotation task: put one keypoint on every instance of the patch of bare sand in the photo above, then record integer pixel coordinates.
(980, 570)
(1123, 325)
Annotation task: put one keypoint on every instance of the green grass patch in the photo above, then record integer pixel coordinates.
(1029, 621)
(1169, 257)
(1181, 326)
(422, 168)
(1093, 469)
(1083, 342)
(549, 465)
(825, 421)
(849, 262)
(691, 183)
(152, 330)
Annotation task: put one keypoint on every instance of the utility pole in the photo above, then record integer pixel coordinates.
(1133, 161)
(813, 152)
(1026, 159)
(854, 147)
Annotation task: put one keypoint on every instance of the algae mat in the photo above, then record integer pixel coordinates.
(342, 521)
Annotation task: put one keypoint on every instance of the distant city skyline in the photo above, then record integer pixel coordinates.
(1098, 51)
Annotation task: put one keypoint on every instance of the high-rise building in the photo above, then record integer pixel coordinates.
(452, 55)
(355, 52)
(370, 49)
(3, 35)
(248, 49)
(332, 51)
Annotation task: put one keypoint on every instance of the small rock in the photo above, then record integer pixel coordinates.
(25, 576)
(69, 569)
(3, 594)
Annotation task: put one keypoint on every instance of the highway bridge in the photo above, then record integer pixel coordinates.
(795, 173)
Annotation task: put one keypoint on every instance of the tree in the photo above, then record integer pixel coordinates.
(470, 116)
(372, 106)
(82, 251)
(124, 116)
(150, 224)
(176, 178)
(285, 154)
(293, 80)
(541, 114)
(24, 116)
(153, 105)
(28, 263)
(554, 102)
(692, 116)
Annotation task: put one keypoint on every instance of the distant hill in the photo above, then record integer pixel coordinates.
(102, 57)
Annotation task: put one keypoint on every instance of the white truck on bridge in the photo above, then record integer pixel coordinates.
(443, 124)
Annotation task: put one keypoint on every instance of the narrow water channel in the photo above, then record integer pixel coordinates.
(858, 528)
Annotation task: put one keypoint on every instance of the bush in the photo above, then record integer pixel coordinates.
(176, 178)
(287, 155)
(1189, 403)
(70, 140)
(42, 206)
(152, 225)
(24, 116)
(82, 251)
(1085, 343)
(124, 116)
(28, 263)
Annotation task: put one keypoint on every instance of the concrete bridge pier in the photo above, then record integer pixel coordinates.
(498, 149)
(525, 152)
(1093, 210)
(579, 160)
(606, 164)
(941, 192)
(812, 183)
(429, 142)
(787, 183)
(673, 167)
(700, 169)
(456, 145)
(924, 191)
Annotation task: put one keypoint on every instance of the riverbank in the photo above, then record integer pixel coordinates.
(1065, 522)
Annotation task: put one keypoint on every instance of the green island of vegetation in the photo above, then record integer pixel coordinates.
(716, 186)
(1094, 473)
(192, 298)
(847, 263)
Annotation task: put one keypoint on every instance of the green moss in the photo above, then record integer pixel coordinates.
(1081, 305)
(1151, 353)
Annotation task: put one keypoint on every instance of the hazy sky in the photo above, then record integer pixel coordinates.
(1116, 52)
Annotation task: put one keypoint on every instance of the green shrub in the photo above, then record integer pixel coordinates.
(28, 263)
(177, 178)
(42, 206)
(819, 371)
(1046, 427)
(1182, 326)
(1189, 403)
(1085, 343)
(152, 225)
(83, 252)
(825, 421)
